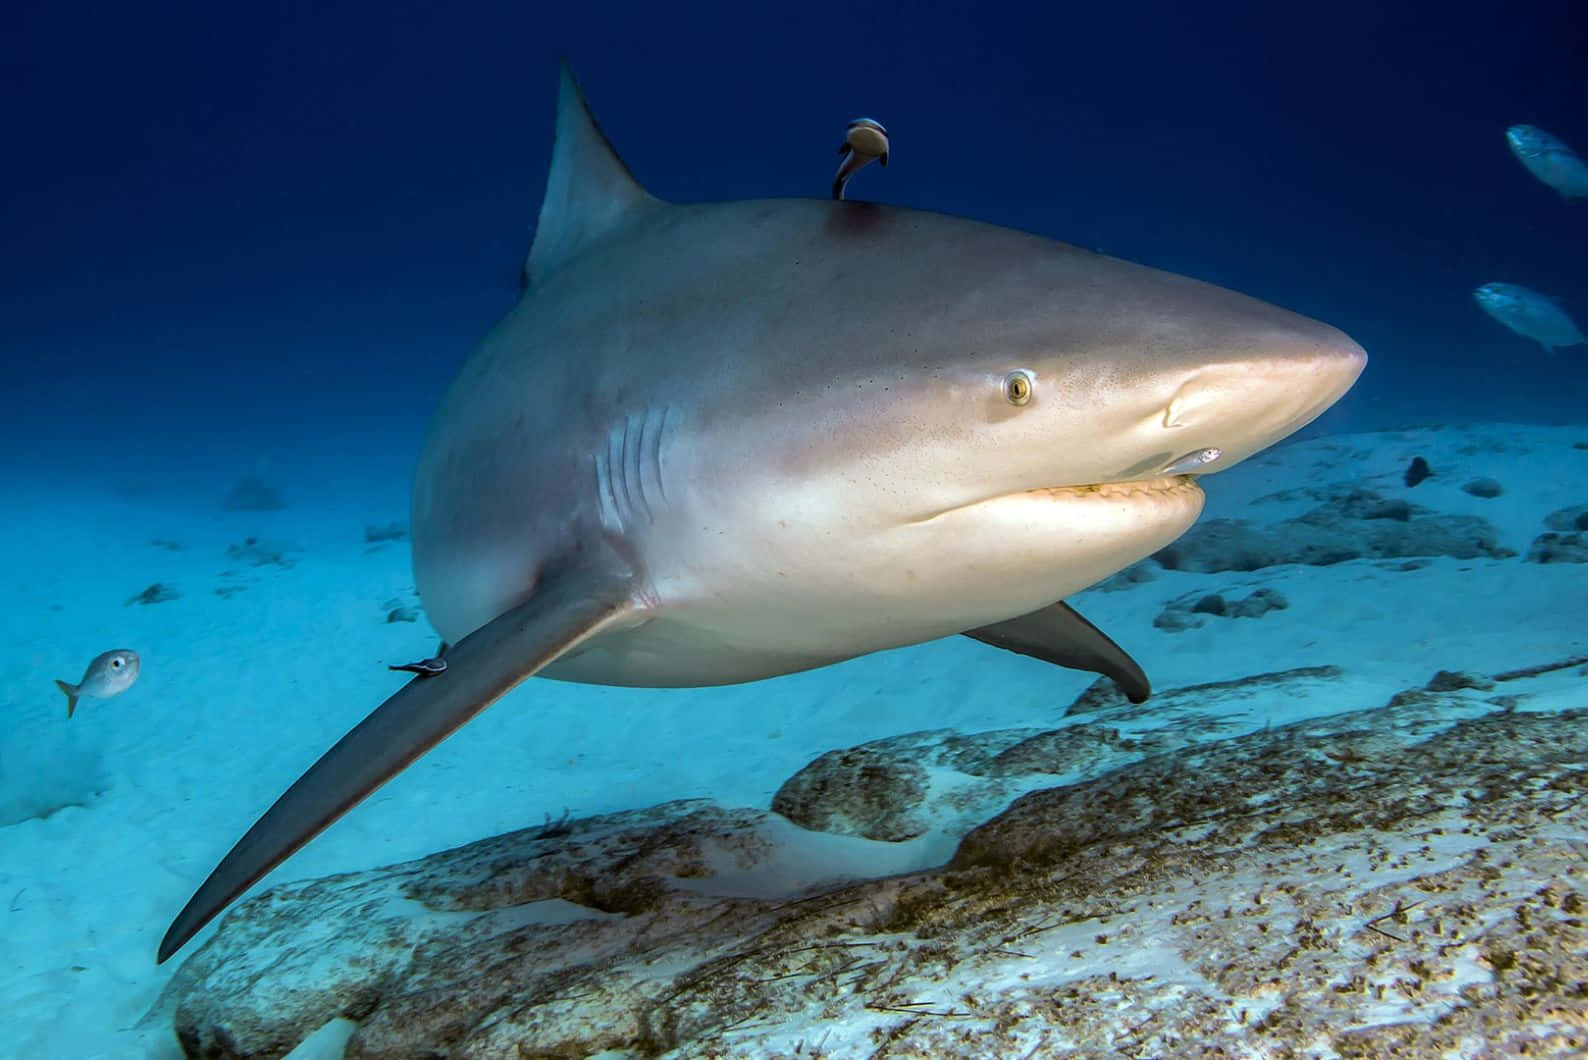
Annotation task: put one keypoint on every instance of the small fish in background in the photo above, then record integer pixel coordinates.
(1529, 314)
(1549, 159)
(1418, 471)
(110, 674)
(865, 142)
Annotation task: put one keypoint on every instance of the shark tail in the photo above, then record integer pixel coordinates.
(70, 692)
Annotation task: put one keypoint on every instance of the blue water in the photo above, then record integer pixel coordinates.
(218, 226)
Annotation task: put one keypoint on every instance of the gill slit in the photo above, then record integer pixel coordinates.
(634, 451)
(612, 469)
(656, 456)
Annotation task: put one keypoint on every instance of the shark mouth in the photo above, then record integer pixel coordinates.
(1156, 486)
(1158, 489)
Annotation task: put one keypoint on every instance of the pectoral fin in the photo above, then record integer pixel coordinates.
(1058, 634)
(568, 605)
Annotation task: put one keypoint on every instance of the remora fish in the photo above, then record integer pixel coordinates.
(722, 441)
(1529, 314)
(1549, 159)
(865, 142)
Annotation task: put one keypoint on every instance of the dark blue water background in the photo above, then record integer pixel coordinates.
(239, 234)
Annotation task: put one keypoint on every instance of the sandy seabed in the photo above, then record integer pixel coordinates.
(1435, 912)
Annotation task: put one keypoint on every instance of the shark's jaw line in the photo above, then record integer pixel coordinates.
(1145, 492)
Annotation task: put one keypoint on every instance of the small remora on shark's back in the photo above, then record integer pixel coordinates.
(723, 441)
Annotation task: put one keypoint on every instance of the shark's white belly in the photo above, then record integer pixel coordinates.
(757, 607)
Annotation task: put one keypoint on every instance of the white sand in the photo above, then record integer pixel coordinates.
(239, 694)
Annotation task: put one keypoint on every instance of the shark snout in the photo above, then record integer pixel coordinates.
(1239, 406)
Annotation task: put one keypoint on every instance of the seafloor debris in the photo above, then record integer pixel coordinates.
(398, 609)
(390, 532)
(1558, 548)
(1568, 520)
(1412, 877)
(158, 593)
(1567, 539)
(1188, 611)
(257, 552)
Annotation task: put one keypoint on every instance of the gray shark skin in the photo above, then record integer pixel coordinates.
(719, 442)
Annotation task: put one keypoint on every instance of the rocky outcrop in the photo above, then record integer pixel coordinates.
(1191, 610)
(864, 791)
(1351, 524)
(1558, 548)
(1412, 877)
(1568, 520)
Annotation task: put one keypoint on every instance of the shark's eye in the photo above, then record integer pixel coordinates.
(1017, 387)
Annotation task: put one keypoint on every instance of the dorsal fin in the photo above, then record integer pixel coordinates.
(589, 191)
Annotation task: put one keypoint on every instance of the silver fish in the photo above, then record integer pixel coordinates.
(110, 674)
(1549, 159)
(1192, 461)
(1529, 314)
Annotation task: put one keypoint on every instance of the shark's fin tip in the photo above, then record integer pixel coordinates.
(572, 602)
(1060, 635)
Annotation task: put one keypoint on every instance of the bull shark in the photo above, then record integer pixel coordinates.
(723, 441)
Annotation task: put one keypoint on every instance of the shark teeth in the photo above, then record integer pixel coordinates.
(1140, 487)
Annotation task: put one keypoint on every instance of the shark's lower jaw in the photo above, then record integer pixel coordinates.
(1162, 486)
(1023, 551)
(1172, 491)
